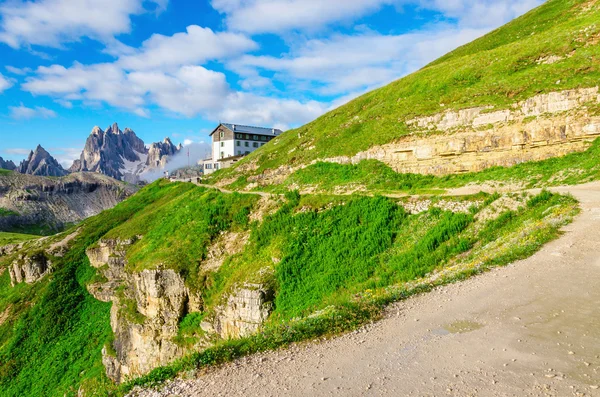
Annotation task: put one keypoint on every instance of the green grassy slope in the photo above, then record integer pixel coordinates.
(497, 69)
(328, 250)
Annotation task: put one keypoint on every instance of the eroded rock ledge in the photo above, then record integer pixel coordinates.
(149, 305)
(29, 268)
(471, 140)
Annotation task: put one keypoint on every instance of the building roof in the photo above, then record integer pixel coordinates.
(247, 129)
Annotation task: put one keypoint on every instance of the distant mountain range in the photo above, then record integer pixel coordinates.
(115, 153)
(7, 165)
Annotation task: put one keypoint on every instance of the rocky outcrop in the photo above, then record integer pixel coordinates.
(41, 163)
(147, 307)
(121, 154)
(417, 206)
(245, 310)
(158, 299)
(7, 165)
(471, 140)
(541, 127)
(29, 268)
(55, 202)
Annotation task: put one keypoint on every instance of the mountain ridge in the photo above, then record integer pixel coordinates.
(122, 154)
(41, 163)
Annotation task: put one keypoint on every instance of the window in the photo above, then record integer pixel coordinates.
(222, 154)
(222, 134)
(238, 136)
(255, 137)
(247, 144)
(263, 138)
(238, 143)
(216, 166)
(247, 152)
(262, 144)
(222, 144)
(255, 144)
(247, 136)
(239, 152)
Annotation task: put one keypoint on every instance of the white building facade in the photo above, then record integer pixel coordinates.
(231, 142)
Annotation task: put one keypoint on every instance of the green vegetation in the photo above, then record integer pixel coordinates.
(374, 176)
(498, 69)
(332, 261)
(51, 342)
(5, 212)
(14, 238)
(318, 253)
(324, 271)
(4, 172)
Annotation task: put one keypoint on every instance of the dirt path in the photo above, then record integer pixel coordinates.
(528, 329)
(222, 190)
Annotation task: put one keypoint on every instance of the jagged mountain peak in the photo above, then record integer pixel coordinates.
(7, 164)
(41, 163)
(121, 154)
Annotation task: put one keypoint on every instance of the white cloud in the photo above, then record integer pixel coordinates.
(18, 71)
(189, 91)
(348, 63)
(272, 112)
(261, 16)
(195, 46)
(55, 22)
(65, 156)
(104, 82)
(5, 84)
(24, 113)
(17, 151)
(277, 16)
(481, 13)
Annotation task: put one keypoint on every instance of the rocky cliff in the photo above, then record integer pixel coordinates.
(147, 307)
(29, 268)
(121, 154)
(50, 203)
(160, 152)
(7, 165)
(41, 163)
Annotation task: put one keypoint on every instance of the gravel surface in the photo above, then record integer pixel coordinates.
(529, 329)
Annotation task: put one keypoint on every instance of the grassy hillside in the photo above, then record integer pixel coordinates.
(327, 249)
(498, 69)
(332, 261)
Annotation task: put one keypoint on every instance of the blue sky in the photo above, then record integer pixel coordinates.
(177, 67)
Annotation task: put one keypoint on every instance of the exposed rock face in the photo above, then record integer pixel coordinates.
(41, 163)
(541, 127)
(160, 298)
(470, 140)
(160, 152)
(29, 268)
(7, 165)
(247, 308)
(148, 306)
(56, 202)
(121, 154)
(112, 152)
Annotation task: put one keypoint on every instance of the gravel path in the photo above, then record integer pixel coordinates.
(528, 329)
